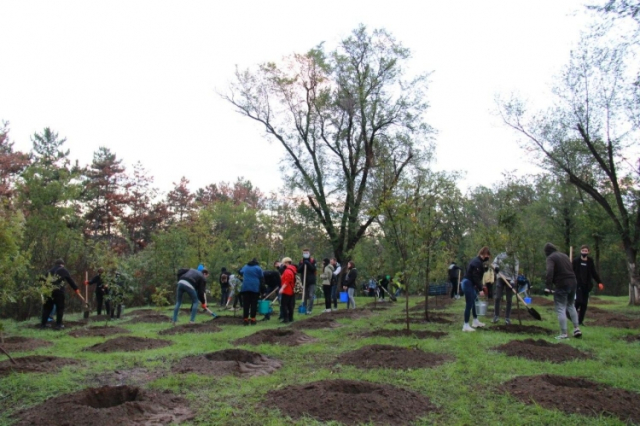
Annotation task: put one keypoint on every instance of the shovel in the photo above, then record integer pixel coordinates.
(391, 296)
(87, 311)
(531, 311)
(302, 309)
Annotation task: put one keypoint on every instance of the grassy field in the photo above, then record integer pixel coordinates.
(464, 390)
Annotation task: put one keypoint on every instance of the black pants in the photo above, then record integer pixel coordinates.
(581, 307)
(237, 299)
(100, 293)
(454, 289)
(489, 290)
(326, 290)
(288, 306)
(382, 292)
(250, 304)
(224, 295)
(57, 299)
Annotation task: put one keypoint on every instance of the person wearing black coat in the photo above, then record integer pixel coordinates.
(308, 263)
(349, 284)
(102, 290)
(585, 270)
(562, 282)
(455, 275)
(472, 287)
(194, 283)
(59, 276)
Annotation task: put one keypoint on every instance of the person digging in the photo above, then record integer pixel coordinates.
(560, 274)
(192, 282)
(59, 275)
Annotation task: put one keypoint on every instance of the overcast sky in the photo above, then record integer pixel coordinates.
(141, 77)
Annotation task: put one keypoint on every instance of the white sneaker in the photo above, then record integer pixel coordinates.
(457, 297)
(477, 323)
(327, 310)
(467, 327)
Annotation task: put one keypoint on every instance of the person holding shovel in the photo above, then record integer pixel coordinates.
(252, 276)
(102, 290)
(287, 289)
(585, 271)
(560, 273)
(192, 282)
(307, 268)
(59, 275)
(472, 287)
(504, 265)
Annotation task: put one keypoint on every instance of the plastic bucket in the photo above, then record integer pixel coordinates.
(527, 300)
(344, 297)
(481, 308)
(264, 306)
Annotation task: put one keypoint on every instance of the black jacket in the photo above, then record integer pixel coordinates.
(311, 270)
(60, 276)
(97, 280)
(272, 280)
(559, 269)
(474, 273)
(196, 279)
(351, 279)
(453, 273)
(585, 271)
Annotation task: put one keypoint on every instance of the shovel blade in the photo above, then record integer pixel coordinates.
(534, 313)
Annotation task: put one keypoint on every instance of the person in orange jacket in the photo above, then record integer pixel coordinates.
(287, 289)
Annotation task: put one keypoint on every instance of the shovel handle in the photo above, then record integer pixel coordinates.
(512, 289)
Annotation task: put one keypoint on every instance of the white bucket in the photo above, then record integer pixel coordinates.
(481, 308)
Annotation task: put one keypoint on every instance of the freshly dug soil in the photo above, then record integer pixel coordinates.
(101, 331)
(632, 338)
(440, 303)
(598, 301)
(100, 318)
(135, 376)
(378, 305)
(23, 344)
(418, 334)
(519, 329)
(199, 327)
(351, 402)
(229, 320)
(109, 405)
(541, 301)
(34, 364)
(396, 357)
(604, 318)
(128, 344)
(277, 336)
(150, 318)
(575, 395)
(315, 323)
(230, 361)
(433, 319)
(541, 350)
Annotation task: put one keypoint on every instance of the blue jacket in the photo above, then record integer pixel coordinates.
(252, 276)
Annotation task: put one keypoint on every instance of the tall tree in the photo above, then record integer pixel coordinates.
(138, 219)
(11, 162)
(350, 122)
(180, 201)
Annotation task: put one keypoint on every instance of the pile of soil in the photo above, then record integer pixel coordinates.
(519, 329)
(277, 336)
(128, 344)
(199, 327)
(34, 364)
(575, 395)
(229, 320)
(396, 357)
(135, 376)
(541, 301)
(23, 344)
(419, 319)
(100, 331)
(632, 338)
(109, 405)
(351, 402)
(541, 350)
(151, 317)
(603, 318)
(315, 323)
(418, 334)
(100, 318)
(230, 361)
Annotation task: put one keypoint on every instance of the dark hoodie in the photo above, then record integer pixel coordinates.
(197, 281)
(559, 269)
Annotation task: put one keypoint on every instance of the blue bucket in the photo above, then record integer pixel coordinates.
(527, 300)
(344, 297)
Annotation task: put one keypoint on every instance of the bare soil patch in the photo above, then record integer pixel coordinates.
(199, 327)
(541, 350)
(128, 344)
(151, 318)
(230, 361)
(315, 323)
(632, 338)
(519, 329)
(598, 301)
(351, 402)
(277, 336)
(397, 357)
(109, 405)
(35, 364)
(575, 395)
(419, 319)
(228, 320)
(604, 318)
(100, 331)
(418, 334)
(100, 318)
(23, 344)
(541, 301)
(439, 303)
(138, 312)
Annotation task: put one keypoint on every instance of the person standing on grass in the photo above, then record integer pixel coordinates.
(287, 289)
(326, 276)
(308, 263)
(272, 281)
(337, 268)
(585, 270)
(488, 279)
(472, 287)
(384, 283)
(252, 276)
(223, 280)
(59, 276)
(102, 290)
(560, 273)
(194, 283)
(349, 284)
(504, 265)
(455, 275)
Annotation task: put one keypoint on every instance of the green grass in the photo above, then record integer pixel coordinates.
(464, 390)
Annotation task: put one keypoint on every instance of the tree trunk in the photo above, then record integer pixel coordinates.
(634, 279)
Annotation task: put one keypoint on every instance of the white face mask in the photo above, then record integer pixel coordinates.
(305, 255)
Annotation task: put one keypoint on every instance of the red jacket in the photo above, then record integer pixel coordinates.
(289, 280)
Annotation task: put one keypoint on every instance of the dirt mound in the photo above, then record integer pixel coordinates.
(230, 361)
(100, 318)
(632, 338)
(351, 402)
(419, 319)
(440, 303)
(101, 331)
(151, 318)
(349, 313)
(604, 318)
(277, 336)
(34, 364)
(598, 301)
(418, 334)
(200, 327)
(23, 344)
(541, 301)
(229, 320)
(109, 405)
(541, 350)
(575, 395)
(519, 329)
(128, 344)
(135, 376)
(387, 356)
(315, 323)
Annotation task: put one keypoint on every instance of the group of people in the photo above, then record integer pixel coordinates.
(570, 282)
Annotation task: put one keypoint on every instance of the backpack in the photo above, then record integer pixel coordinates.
(298, 287)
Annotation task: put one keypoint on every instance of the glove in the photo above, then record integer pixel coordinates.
(600, 286)
(204, 306)
(86, 283)
(77, 291)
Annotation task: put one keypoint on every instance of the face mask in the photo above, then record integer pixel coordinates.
(584, 255)
(305, 255)
(485, 259)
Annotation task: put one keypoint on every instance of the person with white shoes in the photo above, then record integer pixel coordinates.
(472, 287)
(327, 274)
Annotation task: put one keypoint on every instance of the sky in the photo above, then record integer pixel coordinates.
(143, 77)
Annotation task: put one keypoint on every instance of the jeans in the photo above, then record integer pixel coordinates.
(351, 291)
(334, 295)
(564, 301)
(182, 289)
(309, 294)
(56, 299)
(501, 288)
(326, 289)
(470, 299)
